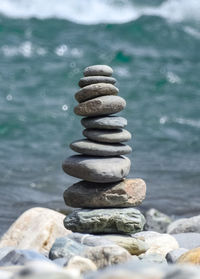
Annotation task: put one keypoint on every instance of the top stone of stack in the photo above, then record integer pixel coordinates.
(98, 70)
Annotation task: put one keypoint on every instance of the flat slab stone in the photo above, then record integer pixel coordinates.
(100, 106)
(96, 79)
(126, 193)
(105, 122)
(88, 147)
(98, 70)
(109, 136)
(97, 169)
(95, 90)
(114, 220)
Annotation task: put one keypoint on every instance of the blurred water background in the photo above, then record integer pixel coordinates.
(154, 49)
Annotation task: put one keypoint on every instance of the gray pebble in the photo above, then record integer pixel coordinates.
(98, 70)
(110, 136)
(95, 79)
(108, 220)
(100, 106)
(105, 122)
(95, 90)
(173, 255)
(97, 169)
(88, 147)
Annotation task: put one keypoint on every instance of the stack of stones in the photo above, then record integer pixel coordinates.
(106, 198)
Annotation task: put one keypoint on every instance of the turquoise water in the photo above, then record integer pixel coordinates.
(153, 47)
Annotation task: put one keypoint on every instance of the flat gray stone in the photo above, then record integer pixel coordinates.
(126, 193)
(109, 136)
(100, 106)
(97, 169)
(96, 79)
(88, 147)
(105, 122)
(95, 90)
(120, 220)
(173, 255)
(98, 70)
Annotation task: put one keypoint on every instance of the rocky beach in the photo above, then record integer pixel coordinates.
(105, 235)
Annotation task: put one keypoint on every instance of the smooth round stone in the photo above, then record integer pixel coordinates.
(88, 147)
(96, 79)
(95, 90)
(126, 193)
(107, 220)
(98, 70)
(100, 106)
(105, 122)
(97, 169)
(111, 136)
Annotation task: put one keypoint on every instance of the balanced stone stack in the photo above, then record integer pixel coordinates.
(106, 198)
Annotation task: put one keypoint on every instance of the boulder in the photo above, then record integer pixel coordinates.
(36, 229)
(158, 243)
(156, 221)
(185, 225)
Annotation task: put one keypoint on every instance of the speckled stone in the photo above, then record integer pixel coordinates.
(100, 106)
(109, 136)
(104, 122)
(98, 70)
(126, 193)
(88, 147)
(95, 90)
(96, 79)
(112, 220)
(97, 169)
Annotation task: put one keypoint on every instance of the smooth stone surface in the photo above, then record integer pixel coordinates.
(96, 79)
(105, 122)
(97, 169)
(36, 229)
(153, 258)
(185, 225)
(188, 240)
(156, 221)
(89, 239)
(158, 243)
(190, 257)
(4, 251)
(20, 257)
(98, 70)
(126, 193)
(95, 90)
(65, 247)
(132, 245)
(83, 265)
(88, 147)
(174, 255)
(100, 106)
(120, 220)
(107, 136)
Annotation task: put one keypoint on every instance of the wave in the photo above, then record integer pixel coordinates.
(99, 11)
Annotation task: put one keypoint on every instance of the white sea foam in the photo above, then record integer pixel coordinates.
(99, 11)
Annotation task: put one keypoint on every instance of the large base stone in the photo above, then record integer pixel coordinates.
(126, 193)
(115, 220)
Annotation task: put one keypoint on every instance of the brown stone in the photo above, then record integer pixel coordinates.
(190, 257)
(126, 193)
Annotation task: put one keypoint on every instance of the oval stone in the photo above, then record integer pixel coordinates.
(88, 147)
(110, 136)
(126, 193)
(95, 90)
(107, 220)
(96, 79)
(97, 169)
(98, 70)
(100, 106)
(105, 122)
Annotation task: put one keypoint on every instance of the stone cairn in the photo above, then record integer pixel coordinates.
(106, 198)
